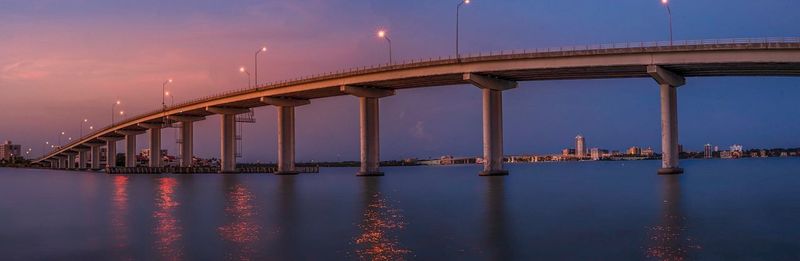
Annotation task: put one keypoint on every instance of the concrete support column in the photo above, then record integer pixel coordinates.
(70, 161)
(155, 147)
(227, 136)
(187, 143)
(95, 151)
(286, 132)
(111, 154)
(186, 137)
(493, 133)
(369, 136)
(82, 159)
(668, 83)
(130, 150)
(228, 144)
(286, 144)
(492, 89)
(669, 131)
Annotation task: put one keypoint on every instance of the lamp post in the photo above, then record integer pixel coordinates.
(163, 90)
(669, 13)
(458, 9)
(45, 146)
(382, 34)
(255, 57)
(81, 131)
(112, 111)
(59, 139)
(243, 70)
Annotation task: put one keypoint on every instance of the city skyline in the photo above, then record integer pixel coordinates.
(81, 85)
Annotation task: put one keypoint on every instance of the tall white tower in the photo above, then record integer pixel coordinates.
(580, 146)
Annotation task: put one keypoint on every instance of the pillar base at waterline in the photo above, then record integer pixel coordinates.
(500, 172)
(236, 171)
(670, 171)
(369, 174)
(287, 173)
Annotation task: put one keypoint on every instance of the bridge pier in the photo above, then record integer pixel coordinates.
(369, 117)
(71, 161)
(187, 138)
(82, 155)
(286, 132)
(668, 83)
(130, 146)
(95, 151)
(227, 136)
(154, 136)
(111, 152)
(492, 89)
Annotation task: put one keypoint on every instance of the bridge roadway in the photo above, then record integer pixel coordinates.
(668, 64)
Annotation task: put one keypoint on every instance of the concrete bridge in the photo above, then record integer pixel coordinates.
(669, 64)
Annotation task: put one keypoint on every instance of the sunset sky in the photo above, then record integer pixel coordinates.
(65, 60)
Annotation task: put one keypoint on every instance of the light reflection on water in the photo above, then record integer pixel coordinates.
(119, 212)
(669, 239)
(575, 211)
(168, 231)
(380, 221)
(242, 229)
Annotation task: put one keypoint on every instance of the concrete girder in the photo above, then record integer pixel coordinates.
(183, 118)
(131, 132)
(227, 110)
(284, 102)
(664, 76)
(366, 92)
(488, 82)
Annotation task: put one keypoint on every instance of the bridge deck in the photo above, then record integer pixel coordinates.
(740, 57)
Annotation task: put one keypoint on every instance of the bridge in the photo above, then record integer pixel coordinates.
(669, 64)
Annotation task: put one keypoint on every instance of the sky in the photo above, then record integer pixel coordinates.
(65, 60)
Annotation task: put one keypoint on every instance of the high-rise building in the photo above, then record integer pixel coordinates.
(634, 151)
(580, 146)
(707, 151)
(8, 150)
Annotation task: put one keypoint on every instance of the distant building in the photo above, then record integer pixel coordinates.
(648, 152)
(707, 153)
(595, 153)
(8, 150)
(567, 152)
(580, 146)
(764, 154)
(634, 151)
(726, 155)
(737, 151)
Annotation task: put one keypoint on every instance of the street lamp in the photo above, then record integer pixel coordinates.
(458, 9)
(163, 90)
(382, 34)
(112, 111)
(243, 70)
(669, 12)
(59, 139)
(81, 131)
(263, 49)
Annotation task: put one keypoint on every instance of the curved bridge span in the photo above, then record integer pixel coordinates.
(668, 64)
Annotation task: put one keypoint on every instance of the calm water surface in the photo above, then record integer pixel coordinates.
(719, 210)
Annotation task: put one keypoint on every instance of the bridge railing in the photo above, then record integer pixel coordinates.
(677, 45)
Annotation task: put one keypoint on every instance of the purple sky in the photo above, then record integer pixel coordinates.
(62, 61)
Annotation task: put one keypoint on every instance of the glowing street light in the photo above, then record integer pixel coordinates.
(458, 9)
(82, 122)
(243, 70)
(382, 34)
(59, 139)
(163, 91)
(263, 49)
(669, 12)
(112, 111)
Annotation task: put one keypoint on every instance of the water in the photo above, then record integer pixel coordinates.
(719, 210)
